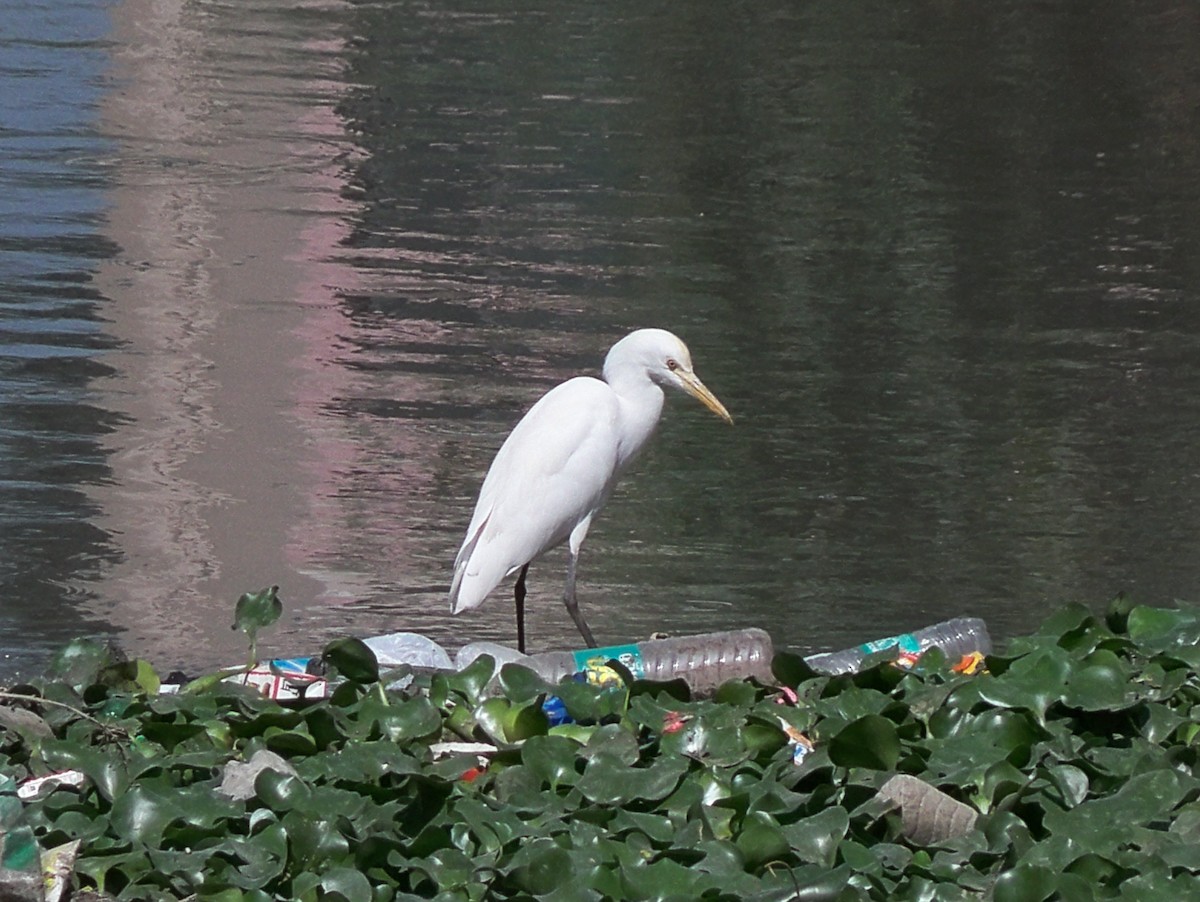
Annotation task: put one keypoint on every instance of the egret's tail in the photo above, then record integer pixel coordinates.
(476, 573)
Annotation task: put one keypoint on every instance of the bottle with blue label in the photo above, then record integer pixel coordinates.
(704, 661)
(956, 637)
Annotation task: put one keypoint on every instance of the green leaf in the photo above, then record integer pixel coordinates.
(1032, 682)
(1117, 615)
(642, 878)
(403, 719)
(353, 660)
(1025, 883)
(541, 866)
(491, 716)
(280, 791)
(521, 684)
(130, 676)
(290, 742)
(345, 883)
(1099, 683)
(104, 766)
(791, 669)
(817, 839)
(761, 840)
(740, 693)
(79, 662)
(472, 681)
(1071, 783)
(552, 759)
(1160, 629)
(1103, 825)
(257, 610)
(870, 741)
(525, 720)
(143, 813)
(314, 840)
(607, 780)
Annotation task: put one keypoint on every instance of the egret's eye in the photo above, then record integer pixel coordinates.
(671, 364)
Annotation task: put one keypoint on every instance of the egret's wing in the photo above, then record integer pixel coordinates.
(555, 467)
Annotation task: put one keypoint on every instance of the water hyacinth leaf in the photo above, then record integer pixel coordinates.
(607, 780)
(1093, 789)
(492, 826)
(817, 839)
(345, 883)
(812, 883)
(405, 719)
(452, 869)
(352, 659)
(870, 742)
(130, 676)
(520, 684)
(1032, 682)
(315, 840)
(472, 680)
(1025, 883)
(663, 878)
(363, 762)
(791, 669)
(1103, 825)
(1160, 723)
(1099, 683)
(1071, 782)
(588, 704)
(850, 702)
(491, 716)
(540, 866)
(739, 693)
(1001, 780)
(1117, 614)
(761, 840)
(104, 766)
(79, 662)
(280, 791)
(1011, 733)
(289, 742)
(613, 740)
(257, 610)
(763, 738)
(657, 827)
(226, 895)
(551, 759)
(262, 857)
(1151, 626)
(142, 814)
(522, 721)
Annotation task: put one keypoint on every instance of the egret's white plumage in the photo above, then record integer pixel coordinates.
(561, 462)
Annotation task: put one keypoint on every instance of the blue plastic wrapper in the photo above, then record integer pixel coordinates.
(556, 711)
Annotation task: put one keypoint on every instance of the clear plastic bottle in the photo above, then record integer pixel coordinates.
(959, 636)
(409, 648)
(704, 661)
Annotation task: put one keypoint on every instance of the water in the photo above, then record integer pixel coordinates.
(277, 281)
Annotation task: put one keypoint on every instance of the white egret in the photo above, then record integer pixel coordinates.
(560, 464)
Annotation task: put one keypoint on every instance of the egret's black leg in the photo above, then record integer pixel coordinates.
(573, 605)
(519, 595)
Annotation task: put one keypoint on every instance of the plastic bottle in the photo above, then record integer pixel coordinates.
(704, 661)
(959, 636)
(501, 654)
(409, 648)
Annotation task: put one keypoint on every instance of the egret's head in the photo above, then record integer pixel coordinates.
(665, 359)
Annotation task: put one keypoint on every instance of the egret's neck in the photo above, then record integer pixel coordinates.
(641, 405)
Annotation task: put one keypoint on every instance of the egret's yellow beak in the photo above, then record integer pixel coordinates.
(694, 387)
